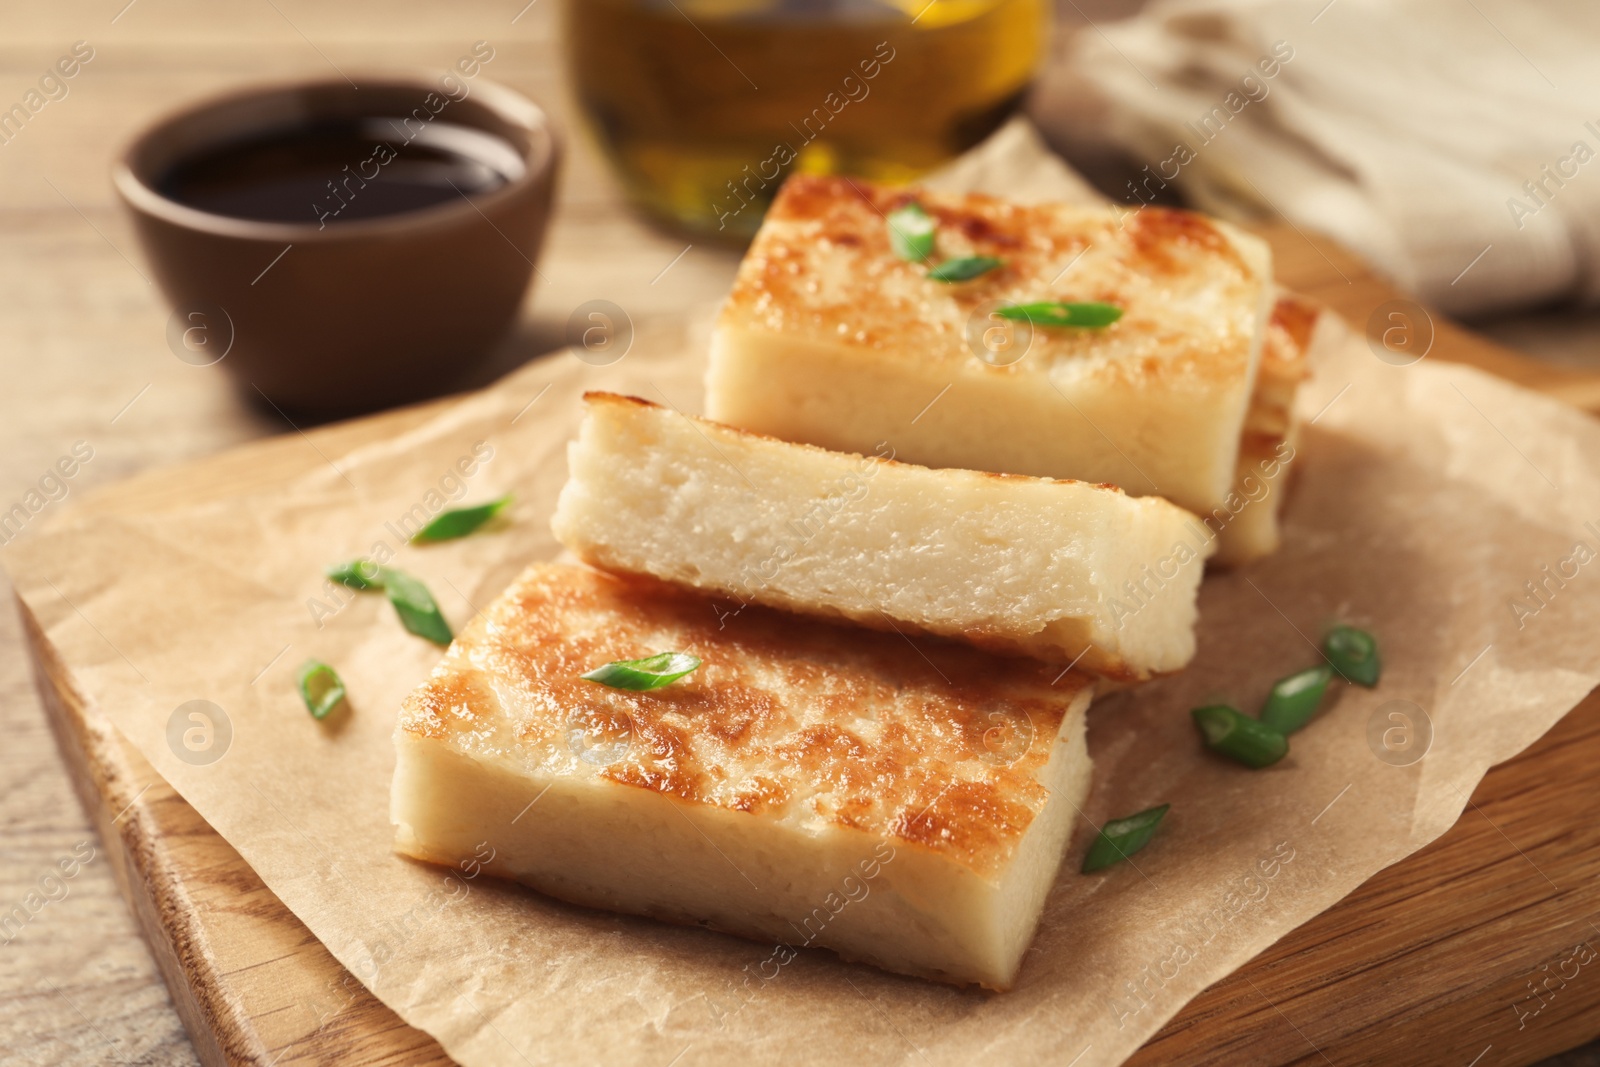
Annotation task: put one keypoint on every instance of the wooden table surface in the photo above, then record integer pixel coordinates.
(83, 358)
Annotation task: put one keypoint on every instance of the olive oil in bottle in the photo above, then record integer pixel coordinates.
(704, 106)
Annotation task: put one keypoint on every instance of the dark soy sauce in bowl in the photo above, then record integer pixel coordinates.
(338, 171)
(345, 250)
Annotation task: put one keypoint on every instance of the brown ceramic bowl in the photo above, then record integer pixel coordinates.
(356, 314)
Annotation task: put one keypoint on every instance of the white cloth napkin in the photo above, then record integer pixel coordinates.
(1406, 129)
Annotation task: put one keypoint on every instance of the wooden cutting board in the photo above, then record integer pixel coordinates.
(1465, 953)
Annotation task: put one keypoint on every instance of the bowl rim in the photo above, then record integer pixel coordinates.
(540, 159)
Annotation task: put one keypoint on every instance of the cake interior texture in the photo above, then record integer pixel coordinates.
(828, 337)
(1064, 571)
(809, 785)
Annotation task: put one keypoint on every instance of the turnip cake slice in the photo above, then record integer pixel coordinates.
(1246, 525)
(1021, 565)
(833, 338)
(807, 784)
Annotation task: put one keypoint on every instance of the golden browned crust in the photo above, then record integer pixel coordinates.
(798, 720)
(1296, 316)
(822, 270)
(1283, 367)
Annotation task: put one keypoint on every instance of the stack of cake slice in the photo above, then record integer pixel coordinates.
(877, 788)
(895, 569)
(832, 338)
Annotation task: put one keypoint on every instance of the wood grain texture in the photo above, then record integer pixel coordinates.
(251, 983)
(1429, 961)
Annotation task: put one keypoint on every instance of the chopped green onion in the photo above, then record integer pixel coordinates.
(1049, 313)
(964, 269)
(359, 574)
(415, 606)
(1240, 737)
(320, 687)
(911, 232)
(1354, 654)
(1294, 699)
(459, 522)
(411, 599)
(642, 675)
(1121, 838)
